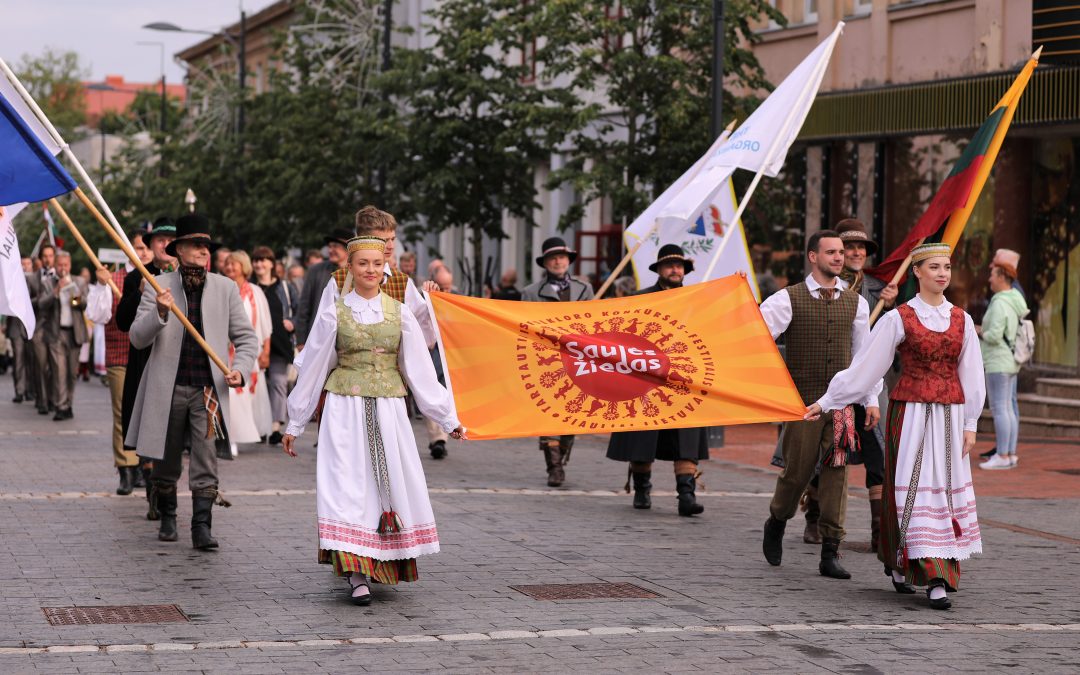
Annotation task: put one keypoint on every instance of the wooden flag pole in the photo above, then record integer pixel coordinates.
(152, 281)
(82, 242)
(720, 140)
(895, 280)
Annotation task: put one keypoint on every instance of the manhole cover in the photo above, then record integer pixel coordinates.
(71, 616)
(584, 591)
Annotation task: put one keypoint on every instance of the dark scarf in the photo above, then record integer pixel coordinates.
(193, 277)
(560, 283)
(854, 279)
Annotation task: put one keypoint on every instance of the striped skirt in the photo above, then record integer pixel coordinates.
(942, 530)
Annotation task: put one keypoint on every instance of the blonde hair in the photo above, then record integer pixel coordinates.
(370, 220)
(241, 258)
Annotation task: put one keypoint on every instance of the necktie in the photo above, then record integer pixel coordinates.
(826, 293)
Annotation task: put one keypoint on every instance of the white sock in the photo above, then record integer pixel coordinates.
(897, 577)
(356, 580)
(937, 592)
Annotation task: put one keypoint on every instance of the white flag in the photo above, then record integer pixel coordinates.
(761, 142)
(14, 294)
(698, 238)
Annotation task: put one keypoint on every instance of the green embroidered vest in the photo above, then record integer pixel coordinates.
(367, 354)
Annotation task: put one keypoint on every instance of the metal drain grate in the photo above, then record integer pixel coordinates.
(602, 591)
(73, 616)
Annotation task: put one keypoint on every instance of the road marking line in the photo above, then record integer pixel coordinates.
(598, 631)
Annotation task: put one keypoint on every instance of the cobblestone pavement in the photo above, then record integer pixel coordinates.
(262, 604)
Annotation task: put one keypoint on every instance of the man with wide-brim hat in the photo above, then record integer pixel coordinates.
(316, 278)
(183, 399)
(161, 234)
(556, 285)
(682, 447)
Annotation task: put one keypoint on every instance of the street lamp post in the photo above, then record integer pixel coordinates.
(160, 45)
(717, 117)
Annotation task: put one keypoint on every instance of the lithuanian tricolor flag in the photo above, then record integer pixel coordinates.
(947, 214)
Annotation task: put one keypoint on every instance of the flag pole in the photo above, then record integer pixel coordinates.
(82, 242)
(66, 149)
(814, 77)
(895, 280)
(720, 140)
(152, 281)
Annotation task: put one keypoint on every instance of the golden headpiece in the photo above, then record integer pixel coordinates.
(366, 243)
(924, 251)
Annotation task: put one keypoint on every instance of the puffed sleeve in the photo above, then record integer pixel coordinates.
(776, 310)
(418, 305)
(414, 360)
(99, 304)
(868, 367)
(972, 379)
(320, 357)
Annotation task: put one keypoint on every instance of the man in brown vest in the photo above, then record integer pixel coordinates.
(824, 324)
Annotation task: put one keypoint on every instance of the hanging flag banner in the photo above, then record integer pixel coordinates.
(698, 239)
(690, 357)
(14, 294)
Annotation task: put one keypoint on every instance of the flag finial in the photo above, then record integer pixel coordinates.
(190, 199)
(1037, 53)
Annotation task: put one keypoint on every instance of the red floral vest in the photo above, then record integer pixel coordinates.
(929, 360)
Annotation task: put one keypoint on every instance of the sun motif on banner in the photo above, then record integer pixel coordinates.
(613, 370)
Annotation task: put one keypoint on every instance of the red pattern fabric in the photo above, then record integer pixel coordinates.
(408, 537)
(929, 360)
(117, 344)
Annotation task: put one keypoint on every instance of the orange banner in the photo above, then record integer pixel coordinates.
(690, 357)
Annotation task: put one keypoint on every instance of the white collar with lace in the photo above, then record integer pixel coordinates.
(357, 303)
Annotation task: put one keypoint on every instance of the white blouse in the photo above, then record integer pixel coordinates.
(872, 362)
(414, 360)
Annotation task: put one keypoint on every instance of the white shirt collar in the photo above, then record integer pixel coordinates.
(812, 284)
(926, 310)
(355, 302)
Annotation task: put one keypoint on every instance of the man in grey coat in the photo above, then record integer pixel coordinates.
(182, 397)
(556, 285)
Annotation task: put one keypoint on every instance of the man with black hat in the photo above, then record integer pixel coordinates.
(181, 394)
(556, 285)
(157, 240)
(318, 275)
(683, 447)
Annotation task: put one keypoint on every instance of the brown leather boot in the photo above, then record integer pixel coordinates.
(553, 457)
(813, 513)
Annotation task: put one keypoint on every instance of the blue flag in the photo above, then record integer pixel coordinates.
(28, 171)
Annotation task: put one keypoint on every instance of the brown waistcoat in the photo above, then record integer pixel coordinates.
(818, 340)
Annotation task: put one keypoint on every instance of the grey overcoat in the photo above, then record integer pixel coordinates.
(224, 321)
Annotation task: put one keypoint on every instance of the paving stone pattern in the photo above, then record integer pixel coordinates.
(262, 603)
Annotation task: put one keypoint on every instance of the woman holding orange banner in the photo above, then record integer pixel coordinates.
(375, 517)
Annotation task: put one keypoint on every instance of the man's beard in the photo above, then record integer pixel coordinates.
(667, 283)
(827, 272)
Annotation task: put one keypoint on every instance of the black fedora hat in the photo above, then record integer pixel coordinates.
(672, 253)
(553, 245)
(852, 229)
(339, 235)
(163, 226)
(194, 228)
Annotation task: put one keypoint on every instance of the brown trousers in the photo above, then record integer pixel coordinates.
(804, 444)
(115, 377)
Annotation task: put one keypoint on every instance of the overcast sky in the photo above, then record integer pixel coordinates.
(105, 32)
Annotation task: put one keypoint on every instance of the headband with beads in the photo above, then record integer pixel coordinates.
(924, 251)
(366, 243)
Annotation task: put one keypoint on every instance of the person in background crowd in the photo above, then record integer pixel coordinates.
(21, 349)
(1007, 309)
(44, 336)
(69, 325)
(250, 418)
(556, 285)
(315, 280)
(434, 265)
(930, 522)
(180, 398)
(283, 300)
(1010, 259)
(507, 289)
(296, 276)
(220, 257)
(684, 448)
(625, 286)
(407, 264)
(157, 261)
(313, 257)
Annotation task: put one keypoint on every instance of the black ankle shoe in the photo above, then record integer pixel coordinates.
(275, 438)
(17, 399)
(125, 487)
(685, 485)
(830, 560)
(773, 543)
(438, 449)
(940, 603)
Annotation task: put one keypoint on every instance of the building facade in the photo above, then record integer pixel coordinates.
(908, 84)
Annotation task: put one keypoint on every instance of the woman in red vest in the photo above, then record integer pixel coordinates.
(929, 524)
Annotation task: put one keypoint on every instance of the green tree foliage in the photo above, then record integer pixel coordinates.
(653, 62)
(54, 78)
